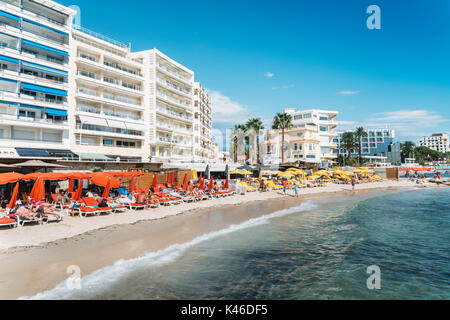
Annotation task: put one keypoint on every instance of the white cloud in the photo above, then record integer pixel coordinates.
(284, 87)
(348, 93)
(406, 123)
(226, 110)
(269, 74)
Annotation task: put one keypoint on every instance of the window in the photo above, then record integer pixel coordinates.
(108, 142)
(324, 128)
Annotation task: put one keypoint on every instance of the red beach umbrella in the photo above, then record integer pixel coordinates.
(77, 196)
(70, 186)
(155, 181)
(202, 184)
(107, 188)
(185, 182)
(200, 178)
(38, 190)
(211, 183)
(102, 180)
(12, 202)
(168, 178)
(227, 183)
(132, 186)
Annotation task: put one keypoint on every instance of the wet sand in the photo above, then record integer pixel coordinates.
(26, 271)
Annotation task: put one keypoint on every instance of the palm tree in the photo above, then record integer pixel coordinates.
(407, 149)
(257, 125)
(282, 121)
(360, 133)
(236, 134)
(349, 143)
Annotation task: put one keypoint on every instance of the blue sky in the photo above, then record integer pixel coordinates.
(258, 57)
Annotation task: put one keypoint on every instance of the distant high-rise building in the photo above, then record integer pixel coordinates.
(375, 144)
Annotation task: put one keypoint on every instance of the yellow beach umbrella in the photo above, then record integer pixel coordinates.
(194, 175)
(286, 174)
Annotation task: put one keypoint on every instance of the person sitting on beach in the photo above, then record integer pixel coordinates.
(141, 198)
(216, 187)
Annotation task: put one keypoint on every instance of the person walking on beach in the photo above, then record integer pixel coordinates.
(353, 184)
(296, 191)
(284, 187)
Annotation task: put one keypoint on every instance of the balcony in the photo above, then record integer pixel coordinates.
(172, 98)
(168, 84)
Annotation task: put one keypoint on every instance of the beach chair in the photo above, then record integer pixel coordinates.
(8, 222)
(92, 203)
(136, 206)
(58, 204)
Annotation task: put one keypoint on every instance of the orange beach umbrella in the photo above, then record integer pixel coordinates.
(12, 202)
(102, 180)
(38, 190)
(107, 188)
(211, 183)
(155, 181)
(132, 186)
(185, 182)
(227, 183)
(77, 196)
(70, 186)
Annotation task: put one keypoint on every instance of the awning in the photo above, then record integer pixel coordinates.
(44, 68)
(56, 112)
(9, 103)
(8, 59)
(93, 156)
(45, 48)
(33, 87)
(49, 28)
(93, 121)
(8, 80)
(8, 15)
(135, 126)
(31, 107)
(32, 153)
(117, 124)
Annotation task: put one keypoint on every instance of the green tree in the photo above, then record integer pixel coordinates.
(407, 150)
(256, 125)
(349, 143)
(424, 154)
(360, 133)
(283, 122)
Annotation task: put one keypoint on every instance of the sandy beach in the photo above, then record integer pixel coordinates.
(36, 258)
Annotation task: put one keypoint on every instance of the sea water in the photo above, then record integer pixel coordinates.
(318, 250)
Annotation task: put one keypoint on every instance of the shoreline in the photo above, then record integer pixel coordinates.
(42, 267)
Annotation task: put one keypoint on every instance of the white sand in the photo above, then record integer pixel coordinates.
(35, 235)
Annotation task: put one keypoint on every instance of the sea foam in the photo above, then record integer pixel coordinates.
(106, 276)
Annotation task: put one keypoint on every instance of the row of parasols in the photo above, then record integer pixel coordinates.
(103, 179)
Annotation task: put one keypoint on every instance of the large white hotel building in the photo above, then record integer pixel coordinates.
(67, 92)
(308, 142)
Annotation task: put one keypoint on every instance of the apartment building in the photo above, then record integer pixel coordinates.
(107, 107)
(34, 78)
(204, 146)
(169, 95)
(68, 92)
(310, 141)
(375, 145)
(437, 141)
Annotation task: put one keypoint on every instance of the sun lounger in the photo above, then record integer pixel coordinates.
(8, 222)
(92, 203)
(136, 206)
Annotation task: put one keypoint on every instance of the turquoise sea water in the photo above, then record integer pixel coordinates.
(319, 250)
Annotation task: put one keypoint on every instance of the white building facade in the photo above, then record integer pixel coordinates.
(204, 146)
(310, 141)
(34, 78)
(169, 98)
(68, 92)
(437, 141)
(107, 103)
